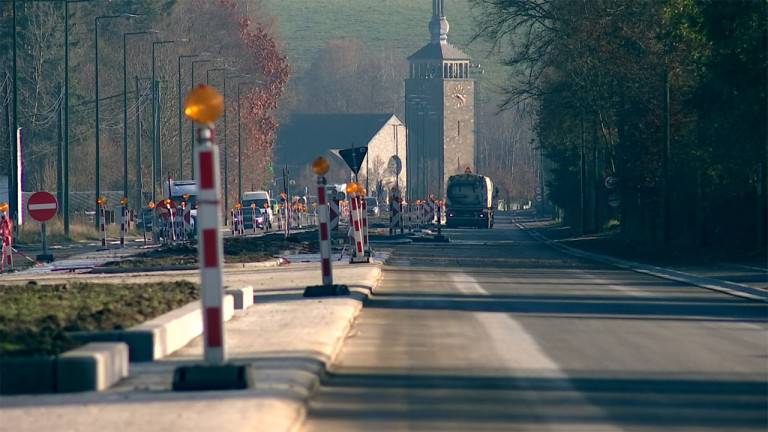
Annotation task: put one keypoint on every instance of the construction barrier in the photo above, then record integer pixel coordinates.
(103, 225)
(358, 253)
(122, 225)
(364, 219)
(210, 253)
(6, 237)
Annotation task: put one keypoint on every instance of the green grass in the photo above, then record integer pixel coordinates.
(31, 233)
(35, 319)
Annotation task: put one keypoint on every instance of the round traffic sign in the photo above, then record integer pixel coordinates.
(42, 206)
(395, 165)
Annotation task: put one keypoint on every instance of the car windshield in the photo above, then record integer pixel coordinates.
(259, 203)
(191, 199)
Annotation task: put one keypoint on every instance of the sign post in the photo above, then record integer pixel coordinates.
(203, 105)
(321, 166)
(42, 206)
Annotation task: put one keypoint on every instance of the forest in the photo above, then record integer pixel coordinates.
(650, 113)
(645, 114)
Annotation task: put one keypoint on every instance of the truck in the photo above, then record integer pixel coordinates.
(469, 200)
(183, 191)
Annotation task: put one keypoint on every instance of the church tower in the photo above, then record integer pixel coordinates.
(439, 112)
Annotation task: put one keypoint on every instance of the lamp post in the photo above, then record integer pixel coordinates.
(181, 109)
(156, 150)
(15, 186)
(125, 110)
(191, 87)
(225, 147)
(208, 73)
(239, 141)
(97, 174)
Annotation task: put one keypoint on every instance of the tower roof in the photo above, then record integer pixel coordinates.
(438, 47)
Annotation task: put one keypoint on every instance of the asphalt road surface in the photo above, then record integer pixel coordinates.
(495, 331)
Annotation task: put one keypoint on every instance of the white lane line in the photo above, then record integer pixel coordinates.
(633, 291)
(527, 355)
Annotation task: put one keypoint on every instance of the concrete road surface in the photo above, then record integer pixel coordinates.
(496, 332)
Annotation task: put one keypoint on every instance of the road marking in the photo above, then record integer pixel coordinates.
(527, 354)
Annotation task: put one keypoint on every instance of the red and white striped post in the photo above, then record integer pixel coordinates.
(325, 232)
(210, 254)
(253, 217)
(103, 221)
(356, 227)
(364, 218)
(123, 226)
(6, 236)
(358, 253)
(320, 166)
(203, 105)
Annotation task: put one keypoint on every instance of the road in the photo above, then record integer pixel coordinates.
(495, 331)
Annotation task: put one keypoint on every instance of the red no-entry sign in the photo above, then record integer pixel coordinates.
(42, 206)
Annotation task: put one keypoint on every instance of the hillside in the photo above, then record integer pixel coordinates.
(393, 25)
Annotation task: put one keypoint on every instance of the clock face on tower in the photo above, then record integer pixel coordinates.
(459, 95)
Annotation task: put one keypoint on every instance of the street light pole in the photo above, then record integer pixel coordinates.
(240, 143)
(224, 147)
(97, 174)
(156, 150)
(181, 109)
(125, 110)
(191, 87)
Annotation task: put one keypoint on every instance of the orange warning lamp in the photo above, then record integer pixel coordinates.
(320, 166)
(151, 205)
(3, 207)
(253, 205)
(354, 187)
(238, 205)
(204, 104)
(123, 200)
(100, 200)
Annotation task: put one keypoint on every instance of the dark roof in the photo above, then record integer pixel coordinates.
(304, 137)
(437, 51)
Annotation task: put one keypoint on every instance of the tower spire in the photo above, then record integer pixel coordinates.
(438, 25)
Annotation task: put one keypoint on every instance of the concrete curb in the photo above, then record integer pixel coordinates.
(274, 262)
(163, 335)
(726, 287)
(92, 367)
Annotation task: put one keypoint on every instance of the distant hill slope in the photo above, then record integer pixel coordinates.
(396, 25)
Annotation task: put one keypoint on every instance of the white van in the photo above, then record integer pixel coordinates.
(260, 198)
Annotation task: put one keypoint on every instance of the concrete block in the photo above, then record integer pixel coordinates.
(92, 367)
(167, 333)
(27, 375)
(163, 335)
(243, 297)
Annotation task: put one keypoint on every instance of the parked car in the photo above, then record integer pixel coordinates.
(372, 205)
(262, 218)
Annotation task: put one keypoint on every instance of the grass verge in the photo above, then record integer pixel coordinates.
(35, 319)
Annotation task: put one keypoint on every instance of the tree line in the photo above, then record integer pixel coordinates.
(234, 49)
(649, 112)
